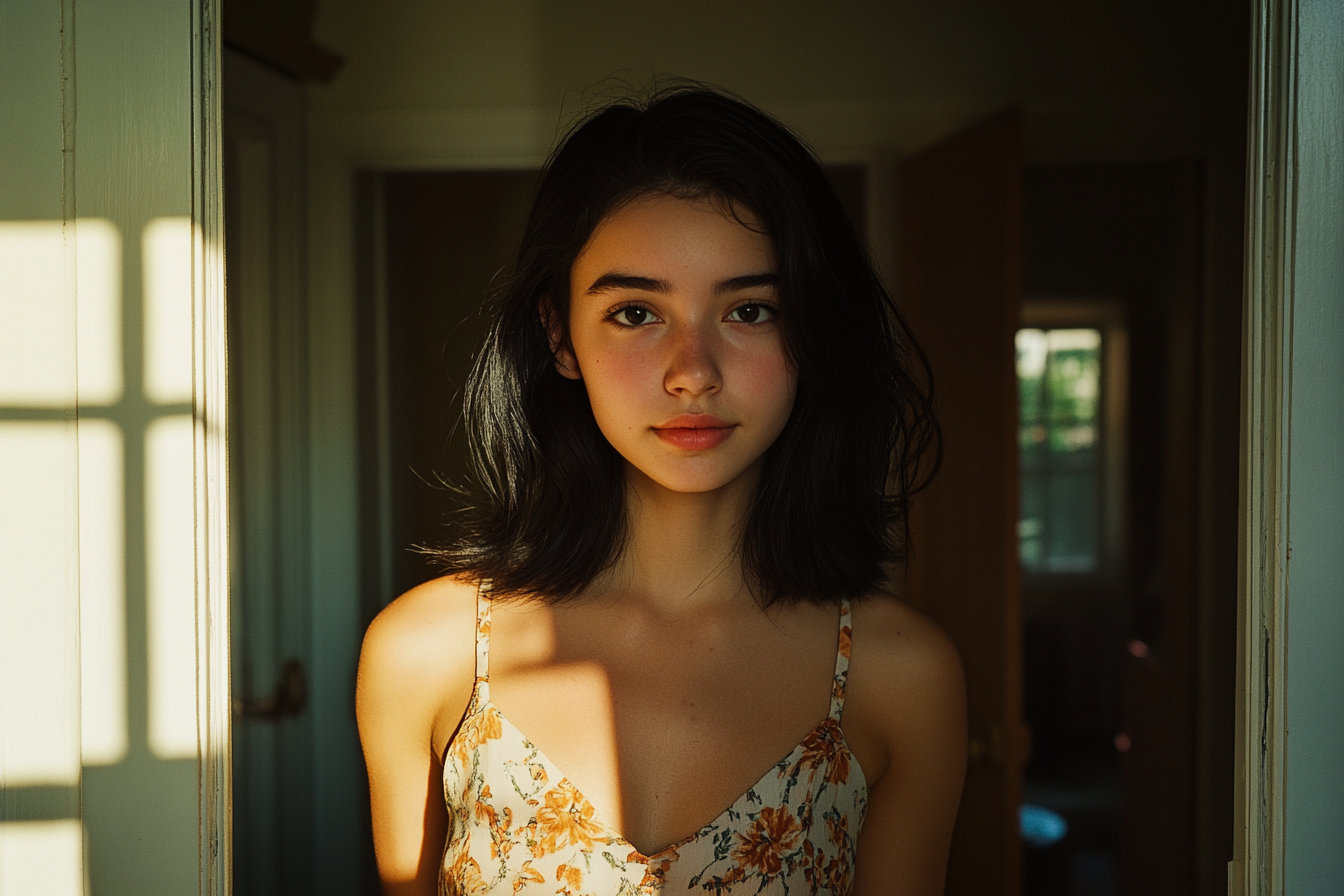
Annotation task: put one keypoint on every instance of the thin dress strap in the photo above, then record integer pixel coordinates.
(841, 663)
(483, 602)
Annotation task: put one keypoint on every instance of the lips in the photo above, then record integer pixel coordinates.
(695, 432)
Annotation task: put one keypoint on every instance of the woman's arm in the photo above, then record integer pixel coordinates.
(913, 699)
(416, 669)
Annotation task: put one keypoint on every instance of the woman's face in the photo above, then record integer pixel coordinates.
(674, 332)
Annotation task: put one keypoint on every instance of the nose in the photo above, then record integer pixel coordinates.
(692, 363)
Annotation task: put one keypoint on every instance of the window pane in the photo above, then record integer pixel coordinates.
(1059, 394)
(1032, 447)
(1031, 354)
(1071, 523)
(1074, 389)
(1031, 526)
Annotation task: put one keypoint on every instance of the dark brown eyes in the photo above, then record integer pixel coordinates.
(751, 314)
(638, 315)
(632, 316)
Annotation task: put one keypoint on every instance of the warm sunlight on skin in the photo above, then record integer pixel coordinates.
(673, 331)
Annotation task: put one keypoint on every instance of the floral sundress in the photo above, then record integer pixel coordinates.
(518, 826)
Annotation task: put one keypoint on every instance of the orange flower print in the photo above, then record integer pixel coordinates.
(838, 771)
(724, 882)
(566, 819)
(838, 872)
(499, 823)
(527, 875)
(846, 641)
(570, 878)
(656, 873)
(485, 812)
(822, 749)
(814, 865)
(482, 726)
(838, 827)
(771, 834)
(463, 877)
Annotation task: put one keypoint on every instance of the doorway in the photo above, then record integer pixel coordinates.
(1113, 655)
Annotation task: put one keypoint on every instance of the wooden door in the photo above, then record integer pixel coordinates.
(273, 725)
(961, 287)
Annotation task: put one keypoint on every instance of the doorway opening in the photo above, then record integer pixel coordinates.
(1118, 676)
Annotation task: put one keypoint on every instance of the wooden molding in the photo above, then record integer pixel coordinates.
(210, 449)
(1257, 868)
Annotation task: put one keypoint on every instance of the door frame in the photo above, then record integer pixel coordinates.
(1291, 416)
(1281, 73)
(210, 448)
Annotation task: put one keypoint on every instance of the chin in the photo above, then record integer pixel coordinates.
(691, 482)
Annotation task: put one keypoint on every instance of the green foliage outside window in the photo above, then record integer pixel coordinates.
(1059, 439)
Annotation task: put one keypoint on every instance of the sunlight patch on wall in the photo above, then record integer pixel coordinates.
(45, 857)
(98, 315)
(102, 593)
(171, 592)
(166, 247)
(39, 706)
(38, 313)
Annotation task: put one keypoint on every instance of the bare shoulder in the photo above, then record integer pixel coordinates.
(907, 693)
(419, 630)
(418, 658)
(907, 708)
(896, 640)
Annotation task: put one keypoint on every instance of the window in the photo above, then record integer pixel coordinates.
(1070, 416)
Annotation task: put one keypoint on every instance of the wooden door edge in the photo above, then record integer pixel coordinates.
(210, 449)
(1261, 736)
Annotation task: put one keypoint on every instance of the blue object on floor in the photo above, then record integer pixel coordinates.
(1041, 826)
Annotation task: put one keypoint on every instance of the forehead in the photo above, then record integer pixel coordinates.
(671, 232)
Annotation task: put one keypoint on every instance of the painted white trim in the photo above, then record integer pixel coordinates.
(210, 444)
(1257, 868)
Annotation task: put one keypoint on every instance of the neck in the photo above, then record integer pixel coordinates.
(683, 550)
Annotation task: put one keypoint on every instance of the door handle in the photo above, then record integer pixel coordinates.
(288, 698)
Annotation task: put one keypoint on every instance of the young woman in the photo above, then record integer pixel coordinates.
(663, 661)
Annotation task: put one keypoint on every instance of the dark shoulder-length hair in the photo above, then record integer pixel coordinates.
(829, 514)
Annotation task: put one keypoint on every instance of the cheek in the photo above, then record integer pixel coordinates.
(769, 382)
(614, 380)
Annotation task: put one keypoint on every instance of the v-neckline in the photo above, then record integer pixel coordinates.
(788, 758)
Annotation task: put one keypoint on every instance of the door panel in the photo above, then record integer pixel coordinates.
(272, 726)
(961, 287)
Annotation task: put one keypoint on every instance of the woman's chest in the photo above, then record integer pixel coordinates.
(661, 733)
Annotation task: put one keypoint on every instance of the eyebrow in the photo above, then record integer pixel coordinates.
(616, 280)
